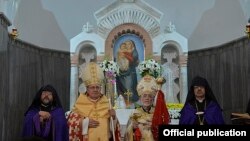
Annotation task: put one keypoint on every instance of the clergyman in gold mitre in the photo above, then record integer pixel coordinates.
(139, 124)
(90, 117)
(92, 74)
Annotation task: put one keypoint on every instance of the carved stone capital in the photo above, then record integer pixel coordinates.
(74, 59)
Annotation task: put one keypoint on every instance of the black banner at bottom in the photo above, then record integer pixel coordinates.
(194, 132)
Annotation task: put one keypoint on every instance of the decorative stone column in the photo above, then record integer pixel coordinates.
(73, 79)
(183, 78)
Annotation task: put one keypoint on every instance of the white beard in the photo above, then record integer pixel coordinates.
(123, 63)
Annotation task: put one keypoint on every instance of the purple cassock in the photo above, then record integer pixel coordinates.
(55, 129)
(203, 112)
(212, 114)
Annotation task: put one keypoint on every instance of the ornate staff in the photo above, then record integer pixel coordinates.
(109, 82)
(110, 69)
(112, 122)
(160, 109)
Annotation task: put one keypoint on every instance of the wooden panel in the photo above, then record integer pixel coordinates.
(24, 69)
(4, 87)
(227, 70)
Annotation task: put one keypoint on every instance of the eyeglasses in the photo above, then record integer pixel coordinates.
(94, 87)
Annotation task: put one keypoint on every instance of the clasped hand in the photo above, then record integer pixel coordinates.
(44, 115)
(93, 123)
(146, 124)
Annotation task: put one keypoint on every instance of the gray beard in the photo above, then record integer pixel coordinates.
(46, 102)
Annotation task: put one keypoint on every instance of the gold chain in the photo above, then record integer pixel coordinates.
(200, 121)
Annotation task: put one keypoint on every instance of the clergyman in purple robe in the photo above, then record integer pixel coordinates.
(45, 117)
(201, 106)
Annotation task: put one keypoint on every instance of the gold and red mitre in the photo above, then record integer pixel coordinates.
(147, 85)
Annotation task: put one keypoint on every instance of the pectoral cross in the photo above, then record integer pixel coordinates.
(128, 94)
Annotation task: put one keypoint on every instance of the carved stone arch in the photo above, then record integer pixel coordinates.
(87, 49)
(126, 29)
(108, 20)
(82, 46)
(175, 44)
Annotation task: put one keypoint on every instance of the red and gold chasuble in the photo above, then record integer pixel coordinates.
(98, 110)
(143, 132)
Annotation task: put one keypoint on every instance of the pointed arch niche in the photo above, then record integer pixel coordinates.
(170, 57)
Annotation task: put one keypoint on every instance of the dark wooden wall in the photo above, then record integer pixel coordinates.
(227, 69)
(24, 69)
